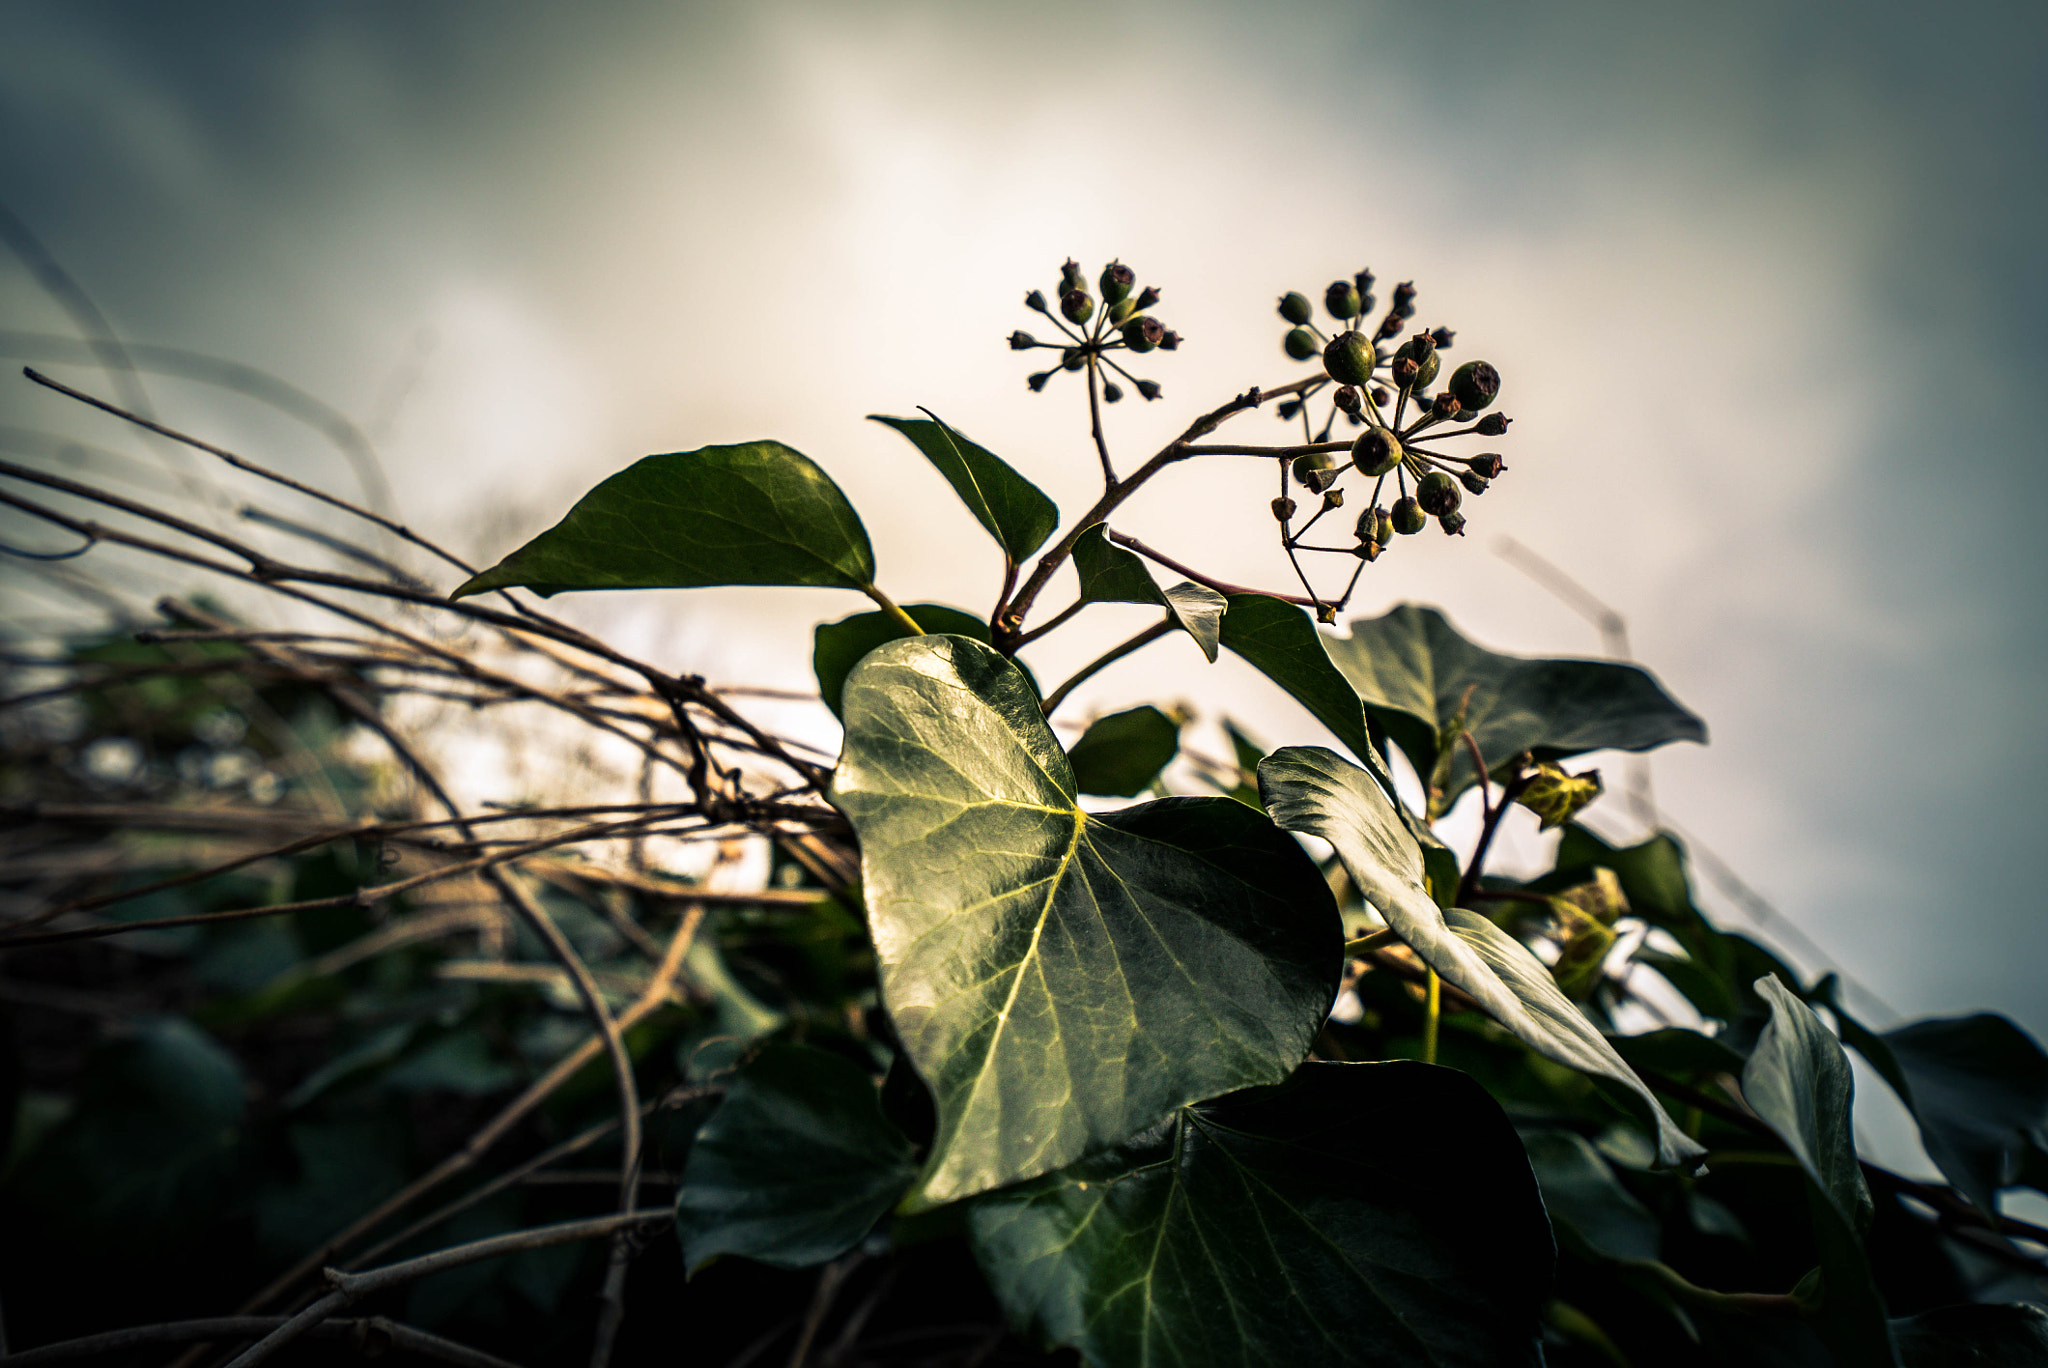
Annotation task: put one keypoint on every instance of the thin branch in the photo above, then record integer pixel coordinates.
(1110, 657)
(1220, 586)
(370, 1335)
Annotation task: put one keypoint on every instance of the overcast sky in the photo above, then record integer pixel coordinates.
(1765, 283)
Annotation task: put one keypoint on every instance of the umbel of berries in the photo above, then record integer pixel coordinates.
(1094, 330)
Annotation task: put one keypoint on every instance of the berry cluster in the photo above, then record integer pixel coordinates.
(1377, 387)
(1122, 323)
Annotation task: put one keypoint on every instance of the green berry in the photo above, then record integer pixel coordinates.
(1070, 276)
(1077, 305)
(1488, 466)
(1377, 451)
(1453, 524)
(1475, 385)
(1316, 471)
(1143, 333)
(1117, 282)
(1111, 392)
(1437, 493)
(1349, 359)
(1341, 299)
(1474, 482)
(1408, 517)
(1121, 310)
(1493, 425)
(1422, 352)
(1301, 344)
(1295, 308)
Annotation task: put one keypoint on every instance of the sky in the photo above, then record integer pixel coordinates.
(1763, 281)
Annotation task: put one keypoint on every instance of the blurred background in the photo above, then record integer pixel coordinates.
(1764, 283)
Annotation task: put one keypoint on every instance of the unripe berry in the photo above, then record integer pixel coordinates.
(1475, 384)
(1493, 425)
(1288, 411)
(1037, 382)
(1118, 280)
(1349, 359)
(1147, 297)
(1422, 351)
(1380, 396)
(1474, 482)
(1077, 305)
(1376, 452)
(1442, 337)
(1488, 466)
(1121, 310)
(1316, 471)
(1022, 341)
(1111, 392)
(1170, 342)
(1404, 298)
(1295, 308)
(1408, 517)
(1382, 525)
(1301, 344)
(1363, 280)
(1405, 371)
(1453, 524)
(1348, 398)
(1071, 359)
(1143, 333)
(1333, 498)
(1035, 300)
(1445, 406)
(1390, 326)
(1437, 493)
(1341, 299)
(1367, 550)
(1283, 508)
(1148, 388)
(1070, 276)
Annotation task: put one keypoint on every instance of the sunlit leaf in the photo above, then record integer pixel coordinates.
(1358, 1214)
(1312, 790)
(1799, 1083)
(795, 1166)
(836, 647)
(754, 513)
(1110, 574)
(1062, 981)
(1121, 755)
(1415, 672)
(1014, 510)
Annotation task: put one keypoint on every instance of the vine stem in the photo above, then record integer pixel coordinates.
(1223, 587)
(1469, 884)
(888, 605)
(1108, 658)
(1432, 1011)
(1095, 424)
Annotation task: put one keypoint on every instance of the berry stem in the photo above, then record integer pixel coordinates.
(1095, 424)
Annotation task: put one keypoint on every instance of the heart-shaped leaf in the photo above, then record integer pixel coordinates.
(1415, 673)
(1978, 1086)
(836, 647)
(1282, 644)
(1121, 755)
(1312, 790)
(1358, 1214)
(753, 513)
(1799, 1083)
(1014, 510)
(795, 1166)
(1062, 981)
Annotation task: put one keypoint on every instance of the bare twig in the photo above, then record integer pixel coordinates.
(369, 1335)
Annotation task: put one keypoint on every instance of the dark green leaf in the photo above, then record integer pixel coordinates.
(1586, 1201)
(1121, 755)
(1062, 981)
(1109, 573)
(795, 1166)
(1414, 672)
(1358, 1214)
(1679, 1052)
(345, 1167)
(1283, 645)
(2014, 1335)
(1978, 1086)
(1014, 510)
(1798, 1081)
(838, 646)
(754, 513)
(1312, 790)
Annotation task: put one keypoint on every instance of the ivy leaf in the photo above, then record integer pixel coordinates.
(1282, 644)
(1357, 1214)
(1977, 1086)
(1061, 980)
(1121, 755)
(1587, 1201)
(795, 1166)
(754, 513)
(2011, 1335)
(1110, 574)
(836, 647)
(1199, 611)
(1015, 511)
(1415, 671)
(1312, 790)
(1798, 1082)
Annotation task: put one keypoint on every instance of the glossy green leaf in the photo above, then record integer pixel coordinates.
(1586, 1201)
(1121, 755)
(1799, 1083)
(795, 1166)
(1062, 981)
(1312, 790)
(754, 513)
(1415, 671)
(836, 647)
(1014, 510)
(1358, 1214)
(2012, 1335)
(1282, 644)
(1199, 610)
(1977, 1085)
(1109, 573)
